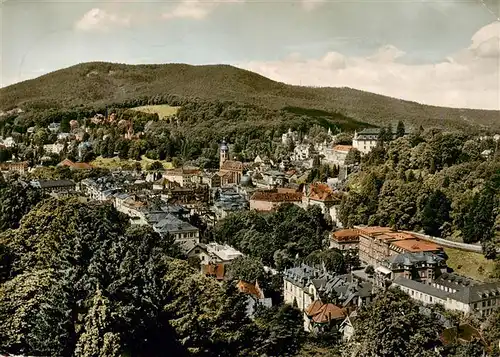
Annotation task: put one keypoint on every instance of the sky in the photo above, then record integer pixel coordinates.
(438, 52)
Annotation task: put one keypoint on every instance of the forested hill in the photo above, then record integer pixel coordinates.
(98, 83)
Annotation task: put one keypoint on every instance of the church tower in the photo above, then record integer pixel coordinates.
(224, 152)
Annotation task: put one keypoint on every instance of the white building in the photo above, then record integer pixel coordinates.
(56, 148)
(302, 152)
(290, 136)
(365, 140)
(9, 142)
(454, 292)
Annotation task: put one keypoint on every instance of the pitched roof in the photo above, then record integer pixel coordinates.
(231, 165)
(410, 259)
(324, 313)
(346, 235)
(75, 165)
(421, 287)
(342, 148)
(417, 245)
(252, 289)
(322, 192)
(275, 196)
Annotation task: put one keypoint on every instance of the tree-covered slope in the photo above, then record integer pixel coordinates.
(109, 83)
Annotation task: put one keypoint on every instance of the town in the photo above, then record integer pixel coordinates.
(351, 261)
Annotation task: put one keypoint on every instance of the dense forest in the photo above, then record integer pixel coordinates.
(95, 84)
(446, 184)
(77, 280)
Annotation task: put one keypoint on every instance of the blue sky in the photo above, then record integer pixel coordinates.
(438, 52)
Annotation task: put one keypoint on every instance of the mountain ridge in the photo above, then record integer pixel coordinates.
(103, 82)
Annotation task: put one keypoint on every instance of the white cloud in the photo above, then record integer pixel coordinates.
(469, 79)
(310, 5)
(195, 9)
(98, 19)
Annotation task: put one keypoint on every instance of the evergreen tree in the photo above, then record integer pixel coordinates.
(435, 213)
(400, 130)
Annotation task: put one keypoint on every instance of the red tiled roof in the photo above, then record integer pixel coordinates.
(75, 165)
(275, 196)
(252, 289)
(346, 235)
(323, 313)
(342, 147)
(322, 192)
(417, 245)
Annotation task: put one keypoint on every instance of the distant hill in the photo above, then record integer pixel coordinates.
(100, 82)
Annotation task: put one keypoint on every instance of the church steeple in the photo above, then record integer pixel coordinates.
(224, 151)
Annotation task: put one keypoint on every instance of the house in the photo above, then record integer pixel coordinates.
(321, 315)
(54, 127)
(211, 179)
(271, 199)
(54, 185)
(347, 326)
(56, 148)
(19, 167)
(255, 296)
(9, 142)
(222, 253)
(183, 176)
(420, 266)
(75, 165)
(183, 232)
(229, 201)
(305, 285)
(289, 137)
(302, 152)
(345, 240)
(367, 139)
(379, 243)
(129, 205)
(454, 292)
(63, 136)
(334, 155)
(321, 195)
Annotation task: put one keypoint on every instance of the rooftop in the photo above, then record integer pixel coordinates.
(276, 196)
(417, 245)
(421, 287)
(346, 235)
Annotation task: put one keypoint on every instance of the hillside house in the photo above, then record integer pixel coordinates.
(271, 199)
(345, 240)
(379, 243)
(255, 295)
(420, 266)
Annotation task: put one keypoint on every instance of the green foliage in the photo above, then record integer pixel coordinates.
(275, 238)
(393, 326)
(98, 83)
(330, 259)
(16, 199)
(429, 184)
(247, 269)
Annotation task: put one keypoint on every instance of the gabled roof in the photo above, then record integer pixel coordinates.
(216, 270)
(231, 165)
(324, 313)
(275, 196)
(252, 289)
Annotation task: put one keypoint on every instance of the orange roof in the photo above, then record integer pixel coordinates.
(417, 245)
(217, 270)
(321, 192)
(345, 235)
(323, 313)
(342, 147)
(75, 165)
(252, 289)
